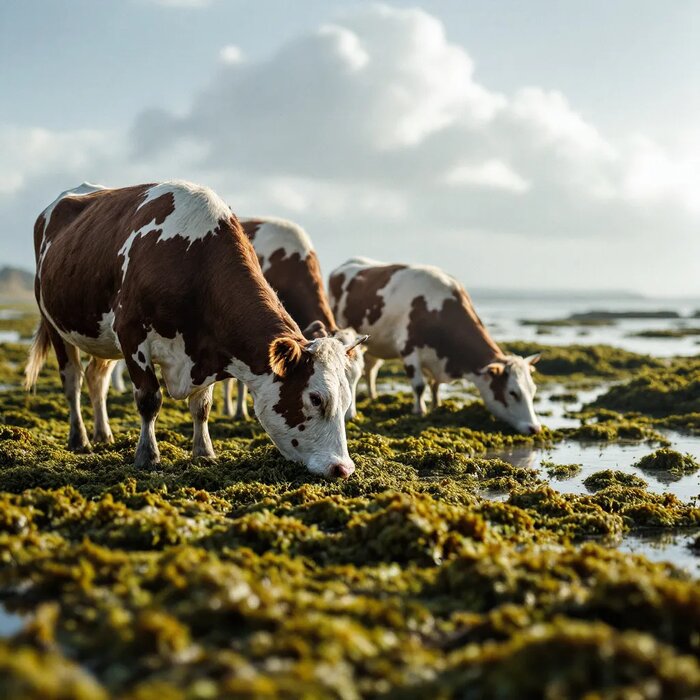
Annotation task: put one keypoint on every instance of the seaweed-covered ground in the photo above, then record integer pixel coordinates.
(436, 570)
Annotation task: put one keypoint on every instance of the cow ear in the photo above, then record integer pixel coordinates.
(359, 340)
(285, 353)
(316, 329)
(494, 369)
(532, 360)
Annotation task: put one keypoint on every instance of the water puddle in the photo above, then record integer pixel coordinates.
(10, 622)
(595, 457)
(672, 547)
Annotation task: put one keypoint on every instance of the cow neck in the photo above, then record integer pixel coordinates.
(241, 292)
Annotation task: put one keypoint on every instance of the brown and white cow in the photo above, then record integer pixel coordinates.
(162, 274)
(290, 264)
(425, 317)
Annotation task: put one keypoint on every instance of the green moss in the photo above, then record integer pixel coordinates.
(588, 360)
(667, 392)
(249, 577)
(609, 477)
(666, 460)
(561, 471)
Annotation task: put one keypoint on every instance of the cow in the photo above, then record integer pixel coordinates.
(290, 264)
(162, 274)
(425, 317)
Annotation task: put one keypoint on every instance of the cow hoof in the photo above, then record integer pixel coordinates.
(147, 459)
(202, 452)
(103, 438)
(79, 443)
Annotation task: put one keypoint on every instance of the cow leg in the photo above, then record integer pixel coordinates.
(149, 399)
(227, 386)
(118, 377)
(435, 393)
(413, 369)
(71, 371)
(98, 373)
(200, 406)
(372, 365)
(241, 403)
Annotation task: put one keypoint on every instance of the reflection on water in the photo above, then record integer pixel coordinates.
(10, 623)
(594, 457)
(673, 547)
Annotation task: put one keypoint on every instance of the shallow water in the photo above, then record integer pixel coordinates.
(10, 622)
(671, 547)
(503, 318)
(595, 457)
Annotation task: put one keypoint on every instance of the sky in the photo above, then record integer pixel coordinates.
(536, 145)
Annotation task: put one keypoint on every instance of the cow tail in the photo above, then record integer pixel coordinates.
(41, 344)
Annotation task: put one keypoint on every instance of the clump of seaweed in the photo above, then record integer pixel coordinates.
(249, 577)
(612, 477)
(561, 471)
(667, 460)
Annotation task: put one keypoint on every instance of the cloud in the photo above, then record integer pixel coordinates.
(376, 132)
(490, 173)
(231, 54)
(182, 3)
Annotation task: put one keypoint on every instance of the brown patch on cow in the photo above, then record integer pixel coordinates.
(299, 286)
(211, 290)
(335, 284)
(499, 382)
(363, 304)
(290, 404)
(454, 331)
(250, 227)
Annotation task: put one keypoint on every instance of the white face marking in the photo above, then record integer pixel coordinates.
(321, 446)
(274, 234)
(519, 392)
(197, 212)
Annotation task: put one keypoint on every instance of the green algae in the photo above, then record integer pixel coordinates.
(249, 577)
(561, 471)
(670, 461)
(580, 361)
(669, 394)
(612, 477)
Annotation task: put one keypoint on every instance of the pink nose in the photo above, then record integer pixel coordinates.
(340, 471)
(534, 429)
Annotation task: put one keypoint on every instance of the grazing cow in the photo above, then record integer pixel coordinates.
(162, 274)
(290, 265)
(425, 317)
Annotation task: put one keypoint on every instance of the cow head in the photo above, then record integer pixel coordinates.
(303, 404)
(508, 391)
(355, 352)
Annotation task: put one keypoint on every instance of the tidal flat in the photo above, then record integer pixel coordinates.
(460, 560)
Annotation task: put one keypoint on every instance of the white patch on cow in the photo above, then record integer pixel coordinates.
(196, 215)
(176, 365)
(82, 189)
(274, 234)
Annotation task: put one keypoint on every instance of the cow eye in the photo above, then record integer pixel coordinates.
(515, 395)
(315, 400)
